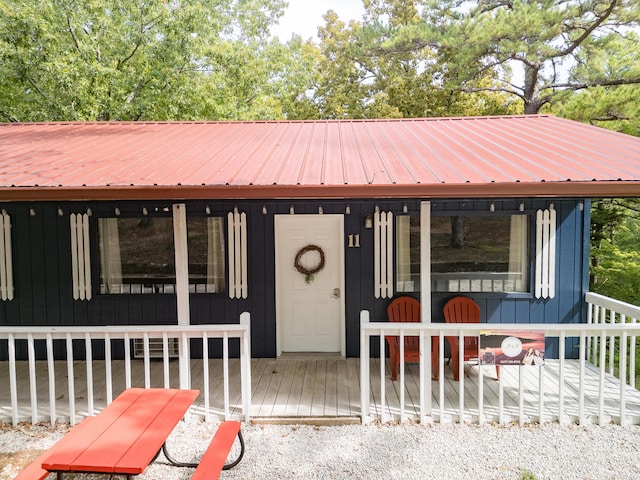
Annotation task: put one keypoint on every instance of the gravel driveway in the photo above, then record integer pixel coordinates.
(450, 452)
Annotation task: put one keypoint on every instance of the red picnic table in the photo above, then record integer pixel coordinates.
(125, 437)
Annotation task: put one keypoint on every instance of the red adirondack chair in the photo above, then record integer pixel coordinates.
(403, 309)
(463, 310)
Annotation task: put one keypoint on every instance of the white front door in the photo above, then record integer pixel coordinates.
(310, 312)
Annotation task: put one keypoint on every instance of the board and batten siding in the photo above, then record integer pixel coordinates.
(42, 268)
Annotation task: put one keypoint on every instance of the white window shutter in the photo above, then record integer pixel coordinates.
(383, 254)
(6, 260)
(545, 253)
(237, 234)
(80, 256)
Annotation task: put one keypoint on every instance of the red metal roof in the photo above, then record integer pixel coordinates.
(533, 155)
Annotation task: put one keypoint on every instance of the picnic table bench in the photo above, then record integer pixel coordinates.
(129, 434)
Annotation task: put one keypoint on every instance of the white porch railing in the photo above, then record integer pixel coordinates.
(611, 328)
(89, 335)
(602, 350)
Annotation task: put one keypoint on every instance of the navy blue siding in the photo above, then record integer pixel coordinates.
(42, 269)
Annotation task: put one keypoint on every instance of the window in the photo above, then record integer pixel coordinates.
(136, 255)
(407, 253)
(483, 253)
(205, 237)
(479, 253)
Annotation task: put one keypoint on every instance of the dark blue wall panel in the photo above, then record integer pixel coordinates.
(42, 270)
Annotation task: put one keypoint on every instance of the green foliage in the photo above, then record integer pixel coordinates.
(535, 50)
(362, 77)
(527, 475)
(613, 108)
(615, 257)
(134, 59)
(618, 274)
(214, 60)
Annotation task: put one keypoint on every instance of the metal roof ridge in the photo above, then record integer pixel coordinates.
(251, 122)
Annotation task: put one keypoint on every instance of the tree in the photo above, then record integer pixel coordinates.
(132, 59)
(296, 73)
(535, 50)
(360, 77)
(615, 258)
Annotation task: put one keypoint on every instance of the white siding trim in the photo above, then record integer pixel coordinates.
(237, 232)
(383, 254)
(6, 260)
(182, 262)
(545, 253)
(425, 261)
(80, 256)
(87, 257)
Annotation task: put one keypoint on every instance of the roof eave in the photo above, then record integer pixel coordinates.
(233, 192)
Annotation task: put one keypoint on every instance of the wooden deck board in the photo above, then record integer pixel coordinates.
(289, 389)
(319, 389)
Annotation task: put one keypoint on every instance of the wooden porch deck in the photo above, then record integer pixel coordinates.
(290, 389)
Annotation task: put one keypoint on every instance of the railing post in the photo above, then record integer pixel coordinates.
(165, 359)
(632, 359)
(461, 376)
(13, 384)
(402, 378)
(245, 365)
(603, 340)
(441, 380)
(225, 373)
(205, 374)
(561, 357)
(480, 393)
(147, 361)
(89, 359)
(383, 384)
(623, 378)
(581, 381)
(364, 367)
(108, 373)
(521, 395)
(32, 379)
(185, 367)
(71, 380)
(612, 343)
(52, 379)
(127, 361)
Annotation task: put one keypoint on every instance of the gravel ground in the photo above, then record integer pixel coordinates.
(434, 451)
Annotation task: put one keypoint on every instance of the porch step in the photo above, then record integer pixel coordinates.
(311, 356)
(315, 421)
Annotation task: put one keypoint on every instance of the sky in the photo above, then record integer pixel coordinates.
(305, 16)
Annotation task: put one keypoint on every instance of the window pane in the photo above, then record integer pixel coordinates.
(206, 255)
(407, 253)
(480, 253)
(136, 255)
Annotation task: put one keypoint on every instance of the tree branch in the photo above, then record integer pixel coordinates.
(634, 208)
(128, 57)
(588, 31)
(596, 83)
(609, 118)
(37, 89)
(76, 43)
(491, 89)
(8, 117)
(143, 27)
